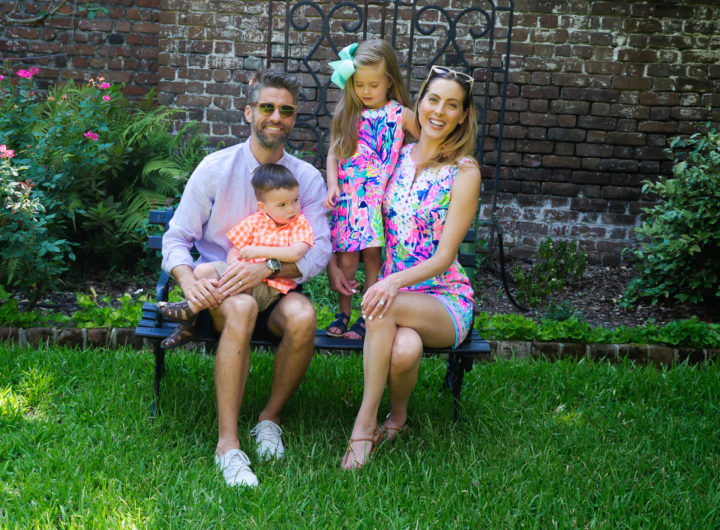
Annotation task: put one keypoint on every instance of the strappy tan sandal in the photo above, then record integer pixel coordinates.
(391, 433)
(376, 439)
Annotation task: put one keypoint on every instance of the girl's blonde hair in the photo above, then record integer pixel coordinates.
(461, 141)
(344, 129)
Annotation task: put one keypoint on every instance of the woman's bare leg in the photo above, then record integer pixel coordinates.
(431, 322)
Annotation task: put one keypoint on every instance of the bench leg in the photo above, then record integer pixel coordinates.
(457, 365)
(159, 373)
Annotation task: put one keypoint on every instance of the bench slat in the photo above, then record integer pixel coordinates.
(148, 328)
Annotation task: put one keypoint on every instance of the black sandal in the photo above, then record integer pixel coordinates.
(180, 335)
(359, 328)
(341, 322)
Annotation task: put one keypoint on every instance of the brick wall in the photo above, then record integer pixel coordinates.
(596, 90)
(120, 45)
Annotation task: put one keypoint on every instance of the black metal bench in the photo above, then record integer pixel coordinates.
(154, 328)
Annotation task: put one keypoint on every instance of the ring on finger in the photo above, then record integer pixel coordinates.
(382, 302)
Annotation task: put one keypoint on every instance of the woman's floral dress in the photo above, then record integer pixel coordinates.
(356, 221)
(415, 209)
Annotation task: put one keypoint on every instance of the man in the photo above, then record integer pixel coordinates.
(217, 194)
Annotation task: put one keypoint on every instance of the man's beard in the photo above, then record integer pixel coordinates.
(271, 143)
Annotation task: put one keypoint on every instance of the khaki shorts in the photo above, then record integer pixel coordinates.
(263, 294)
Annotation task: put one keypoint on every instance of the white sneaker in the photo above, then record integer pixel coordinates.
(235, 467)
(267, 440)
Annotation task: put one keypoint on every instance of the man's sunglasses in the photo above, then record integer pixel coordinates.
(443, 71)
(267, 109)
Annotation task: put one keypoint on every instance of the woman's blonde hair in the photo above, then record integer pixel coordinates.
(461, 141)
(344, 129)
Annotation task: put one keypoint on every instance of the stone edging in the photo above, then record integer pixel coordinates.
(644, 353)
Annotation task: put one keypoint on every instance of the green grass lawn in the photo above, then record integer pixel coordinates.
(542, 444)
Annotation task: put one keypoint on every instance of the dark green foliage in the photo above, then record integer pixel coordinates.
(689, 332)
(559, 264)
(560, 311)
(95, 163)
(679, 254)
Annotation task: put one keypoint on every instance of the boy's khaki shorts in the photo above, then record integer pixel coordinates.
(263, 294)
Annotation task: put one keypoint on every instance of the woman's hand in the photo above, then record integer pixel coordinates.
(379, 297)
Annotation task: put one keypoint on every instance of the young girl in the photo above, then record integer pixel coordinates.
(366, 137)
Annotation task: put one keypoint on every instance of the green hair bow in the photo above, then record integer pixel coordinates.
(344, 68)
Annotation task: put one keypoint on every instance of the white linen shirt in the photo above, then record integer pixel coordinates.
(219, 194)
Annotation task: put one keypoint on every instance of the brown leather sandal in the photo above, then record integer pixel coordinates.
(180, 335)
(179, 312)
(391, 433)
(376, 439)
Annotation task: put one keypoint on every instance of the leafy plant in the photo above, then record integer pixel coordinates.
(10, 314)
(32, 257)
(560, 311)
(559, 264)
(101, 313)
(679, 254)
(98, 163)
(688, 332)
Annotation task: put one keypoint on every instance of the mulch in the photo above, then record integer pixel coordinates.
(595, 298)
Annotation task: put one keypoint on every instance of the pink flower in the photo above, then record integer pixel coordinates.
(106, 98)
(2, 77)
(103, 86)
(91, 135)
(5, 152)
(28, 74)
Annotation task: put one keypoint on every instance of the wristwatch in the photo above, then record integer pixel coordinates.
(274, 265)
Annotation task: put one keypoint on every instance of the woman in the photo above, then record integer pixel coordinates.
(424, 296)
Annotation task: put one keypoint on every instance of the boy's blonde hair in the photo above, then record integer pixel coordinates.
(344, 129)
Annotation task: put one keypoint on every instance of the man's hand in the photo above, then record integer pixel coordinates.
(204, 293)
(201, 293)
(242, 275)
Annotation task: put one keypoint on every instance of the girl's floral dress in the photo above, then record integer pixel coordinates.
(415, 214)
(356, 221)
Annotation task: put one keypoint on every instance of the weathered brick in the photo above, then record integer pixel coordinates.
(626, 138)
(657, 126)
(561, 188)
(589, 205)
(566, 162)
(620, 193)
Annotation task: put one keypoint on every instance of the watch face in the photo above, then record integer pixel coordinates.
(273, 265)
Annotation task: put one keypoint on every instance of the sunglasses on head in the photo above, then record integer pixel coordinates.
(443, 71)
(267, 109)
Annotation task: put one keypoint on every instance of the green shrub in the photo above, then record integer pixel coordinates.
(98, 163)
(559, 264)
(560, 311)
(32, 255)
(690, 332)
(679, 253)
